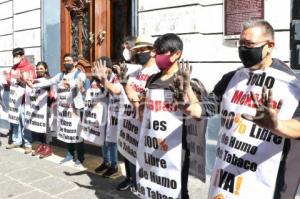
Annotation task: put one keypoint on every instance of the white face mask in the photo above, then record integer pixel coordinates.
(17, 60)
(94, 85)
(126, 54)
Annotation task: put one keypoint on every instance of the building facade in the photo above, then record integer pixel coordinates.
(44, 29)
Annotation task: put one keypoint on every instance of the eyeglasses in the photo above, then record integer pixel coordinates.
(250, 44)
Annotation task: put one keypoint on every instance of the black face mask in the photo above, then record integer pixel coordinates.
(40, 74)
(142, 58)
(251, 56)
(68, 67)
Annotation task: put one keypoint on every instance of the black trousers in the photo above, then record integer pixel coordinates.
(42, 137)
(127, 168)
(185, 175)
(130, 171)
(79, 147)
(289, 171)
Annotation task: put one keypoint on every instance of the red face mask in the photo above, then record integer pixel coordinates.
(163, 62)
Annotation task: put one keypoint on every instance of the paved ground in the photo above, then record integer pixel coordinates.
(26, 177)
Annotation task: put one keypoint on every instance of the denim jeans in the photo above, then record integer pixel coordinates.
(19, 133)
(110, 153)
(130, 171)
(132, 168)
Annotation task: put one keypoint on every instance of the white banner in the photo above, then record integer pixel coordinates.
(160, 147)
(36, 110)
(129, 135)
(248, 156)
(94, 117)
(68, 122)
(112, 119)
(196, 141)
(16, 95)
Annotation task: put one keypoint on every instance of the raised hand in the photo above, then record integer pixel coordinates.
(23, 77)
(181, 82)
(80, 85)
(99, 70)
(121, 72)
(29, 83)
(66, 83)
(266, 115)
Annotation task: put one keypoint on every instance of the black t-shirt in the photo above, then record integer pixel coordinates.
(155, 82)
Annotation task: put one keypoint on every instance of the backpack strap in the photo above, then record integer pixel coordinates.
(61, 76)
(77, 74)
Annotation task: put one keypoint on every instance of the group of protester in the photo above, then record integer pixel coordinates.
(156, 117)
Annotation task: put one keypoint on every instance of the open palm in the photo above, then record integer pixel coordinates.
(266, 115)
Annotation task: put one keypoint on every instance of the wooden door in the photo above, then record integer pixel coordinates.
(94, 28)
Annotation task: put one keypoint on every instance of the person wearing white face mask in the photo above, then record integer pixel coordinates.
(134, 86)
(21, 72)
(128, 43)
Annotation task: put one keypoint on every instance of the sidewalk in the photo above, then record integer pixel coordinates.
(27, 177)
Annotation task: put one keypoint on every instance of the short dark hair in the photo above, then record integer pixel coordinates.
(107, 60)
(168, 42)
(129, 40)
(18, 51)
(74, 57)
(259, 23)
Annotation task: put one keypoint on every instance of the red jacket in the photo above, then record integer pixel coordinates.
(24, 67)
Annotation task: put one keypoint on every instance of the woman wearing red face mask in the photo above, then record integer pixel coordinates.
(44, 149)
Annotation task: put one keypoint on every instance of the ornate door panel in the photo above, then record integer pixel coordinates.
(94, 28)
(85, 30)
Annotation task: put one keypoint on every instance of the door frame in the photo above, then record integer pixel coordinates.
(100, 19)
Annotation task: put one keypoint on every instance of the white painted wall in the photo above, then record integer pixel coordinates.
(27, 20)
(204, 18)
(6, 10)
(6, 26)
(26, 5)
(20, 26)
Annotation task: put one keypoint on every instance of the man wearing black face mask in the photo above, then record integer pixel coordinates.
(72, 78)
(134, 88)
(269, 92)
(143, 55)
